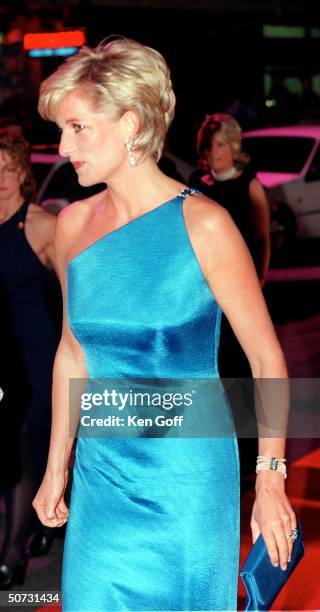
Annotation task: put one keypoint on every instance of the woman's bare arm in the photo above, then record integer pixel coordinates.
(260, 215)
(40, 229)
(228, 267)
(69, 363)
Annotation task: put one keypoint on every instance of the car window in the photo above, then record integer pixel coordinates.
(64, 184)
(313, 173)
(278, 153)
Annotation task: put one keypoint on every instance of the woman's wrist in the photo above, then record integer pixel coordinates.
(59, 458)
(268, 480)
(57, 469)
(55, 473)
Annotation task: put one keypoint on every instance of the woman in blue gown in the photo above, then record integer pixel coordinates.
(146, 267)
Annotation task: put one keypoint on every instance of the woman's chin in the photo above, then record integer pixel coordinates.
(85, 181)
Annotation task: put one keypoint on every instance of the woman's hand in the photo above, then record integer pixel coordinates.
(273, 516)
(49, 502)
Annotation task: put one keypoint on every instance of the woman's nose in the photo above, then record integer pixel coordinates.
(65, 146)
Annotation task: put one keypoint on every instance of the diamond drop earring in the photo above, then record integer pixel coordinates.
(132, 158)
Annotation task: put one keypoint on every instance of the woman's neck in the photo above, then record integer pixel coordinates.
(139, 190)
(226, 175)
(9, 208)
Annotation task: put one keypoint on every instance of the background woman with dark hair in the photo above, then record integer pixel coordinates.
(28, 342)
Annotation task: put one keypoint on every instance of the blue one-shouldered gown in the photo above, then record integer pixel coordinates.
(153, 522)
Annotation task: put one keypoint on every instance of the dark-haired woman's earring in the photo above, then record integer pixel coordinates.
(132, 158)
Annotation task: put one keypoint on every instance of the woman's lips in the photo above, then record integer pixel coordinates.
(77, 164)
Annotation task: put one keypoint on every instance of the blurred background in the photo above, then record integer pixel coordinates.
(257, 60)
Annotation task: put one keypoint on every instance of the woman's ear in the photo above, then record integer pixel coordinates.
(130, 125)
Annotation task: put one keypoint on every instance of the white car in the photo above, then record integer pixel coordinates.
(287, 161)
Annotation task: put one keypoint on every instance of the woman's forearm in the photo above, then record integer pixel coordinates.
(262, 255)
(272, 400)
(64, 417)
(266, 256)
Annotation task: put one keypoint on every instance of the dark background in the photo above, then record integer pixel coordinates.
(216, 50)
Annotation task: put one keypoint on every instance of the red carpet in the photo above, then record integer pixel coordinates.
(302, 592)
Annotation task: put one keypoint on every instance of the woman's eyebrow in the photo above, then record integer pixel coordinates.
(73, 120)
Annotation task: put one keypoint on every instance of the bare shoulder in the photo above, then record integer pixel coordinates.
(73, 217)
(206, 217)
(255, 187)
(76, 212)
(215, 238)
(40, 227)
(41, 218)
(71, 222)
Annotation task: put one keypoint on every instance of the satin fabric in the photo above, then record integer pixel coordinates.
(153, 523)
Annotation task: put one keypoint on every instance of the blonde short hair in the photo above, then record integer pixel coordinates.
(230, 130)
(118, 76)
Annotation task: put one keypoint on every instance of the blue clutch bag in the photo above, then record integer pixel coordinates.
(262, 580)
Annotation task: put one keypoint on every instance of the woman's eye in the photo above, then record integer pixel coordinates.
(78, 127)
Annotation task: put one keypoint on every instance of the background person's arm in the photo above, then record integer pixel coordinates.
(40, 229)
(260, 215)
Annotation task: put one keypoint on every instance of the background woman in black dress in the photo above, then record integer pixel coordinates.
(225, 175)
(28, 344)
